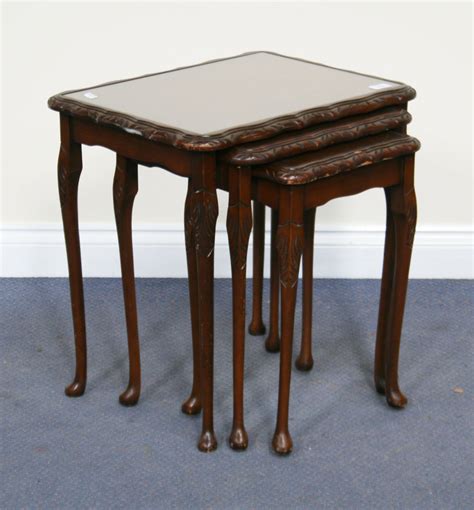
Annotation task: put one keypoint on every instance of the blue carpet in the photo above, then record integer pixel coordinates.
(350, 449)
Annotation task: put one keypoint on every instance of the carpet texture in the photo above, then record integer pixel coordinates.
(350, 449)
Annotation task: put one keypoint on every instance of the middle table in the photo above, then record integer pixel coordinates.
(181, 120)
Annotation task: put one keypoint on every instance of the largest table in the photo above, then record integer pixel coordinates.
(179, 120)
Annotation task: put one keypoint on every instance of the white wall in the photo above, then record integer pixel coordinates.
(50, 47)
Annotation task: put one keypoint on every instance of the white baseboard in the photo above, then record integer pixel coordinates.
(38, 251)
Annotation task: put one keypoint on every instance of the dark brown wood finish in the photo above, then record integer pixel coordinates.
(307, 168)
(317, 137)
(69, 172)
(124, 190)
(239, 225)
(304, 361)
(340, 158)
(400, 228)
(133, 147)
(295, 207)
(201, 213)
(194, 156)
(385, 297)
(289, 241)
(272, 342)
(201, 216)
(401, 203)
(193, 403)
(256, 326)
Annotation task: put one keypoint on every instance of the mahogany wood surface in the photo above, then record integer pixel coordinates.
(317, 137)
(289, 243)
(256, 326)
(201, 211)
(193, 403)
(304, 361)
(69, 172)
(133, 147)
(288, 238)
(403, 210)
(294, 206)
(124, 190)
(292, 186)
(239, 225)
(343, 157)
(272, 342)
(385, 297)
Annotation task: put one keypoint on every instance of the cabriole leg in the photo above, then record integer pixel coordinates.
(201, 214)
(192, 405)
(402, 203)
(385, 299)
(290, 241)
(272, 343)
(125, 189)
(256, 326)
(69, 172)
(239, 225)
(304, 361)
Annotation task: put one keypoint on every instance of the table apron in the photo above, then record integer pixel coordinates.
(133, 147)
(379, 175)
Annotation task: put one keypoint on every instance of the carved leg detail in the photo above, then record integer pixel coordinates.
(192, 405)
(239, 225)
(402, 201)
(290, 241)
(272, 343)
(304, 361)
(256, 326)
(69, 172)
(125, 189)
(203, 217)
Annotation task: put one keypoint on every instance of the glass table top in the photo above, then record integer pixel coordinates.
(211, 98)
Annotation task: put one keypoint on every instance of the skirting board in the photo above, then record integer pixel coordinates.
(38, 251)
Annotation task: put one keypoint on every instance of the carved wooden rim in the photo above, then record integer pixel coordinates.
(316, 138)
(247, 133)
(347, 159)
